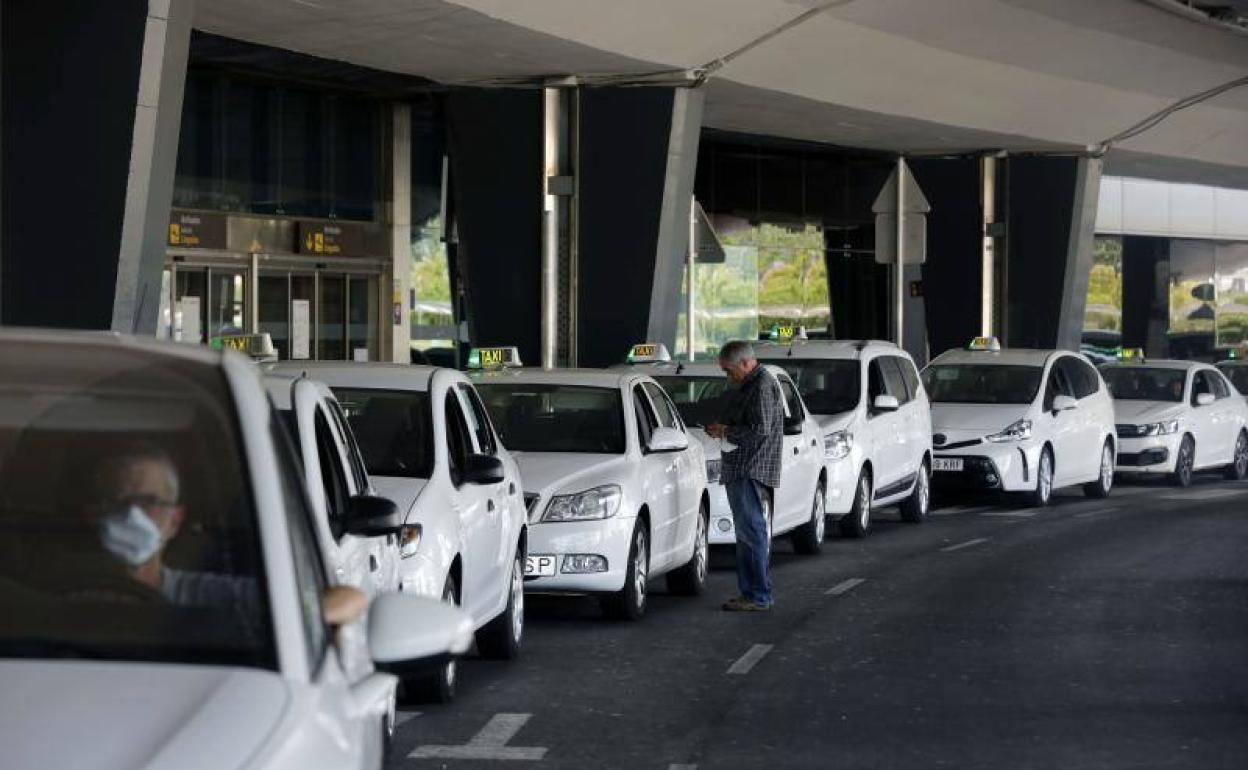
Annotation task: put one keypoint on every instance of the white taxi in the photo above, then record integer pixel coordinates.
(702, 393)
(616, 490)
(874, 421)
(1176, 418)
(428, 445)
(162, 587)
(1236, 370)
(1019, 420)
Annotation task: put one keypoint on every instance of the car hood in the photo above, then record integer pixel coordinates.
(831, 423)
(974, 420)
(403, 491)
(79, 714)
(552, 473)
(1132, 412)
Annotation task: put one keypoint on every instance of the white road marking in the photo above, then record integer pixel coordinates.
(750, 659)
(1094, 512)
(1026, 513)
(844, 587)
(959, 509)
(490, 743)
(967, 544)
(1204, 494)
(403, 717)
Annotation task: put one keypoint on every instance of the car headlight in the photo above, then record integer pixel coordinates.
(837, 445)
(1019, 431)
(1157, 428)
(409, 540)
(597, 503)
(713, 468)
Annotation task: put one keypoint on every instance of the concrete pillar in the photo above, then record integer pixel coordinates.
(92, 100)
(1078, 263)
(401, 231)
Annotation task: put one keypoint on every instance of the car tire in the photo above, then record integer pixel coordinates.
(1043, 493)
(439, 686)
(1104, 483)
(690, 579)
(914, 508)
(1185, 463)
(629, 603)
(1238, 469)
(500, 639)
(857, 523)
(808, 538)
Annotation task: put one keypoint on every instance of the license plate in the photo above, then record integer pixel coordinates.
(539, 566)
(947, 464)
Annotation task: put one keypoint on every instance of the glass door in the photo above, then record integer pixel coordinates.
(274, 309)
(302, 316)
(331, 343)
(227, 302)
(190, 304)
(362, 321)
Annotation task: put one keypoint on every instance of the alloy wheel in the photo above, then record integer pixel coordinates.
(701, 549)
(517, 600)
(640, 564)
(820, 519)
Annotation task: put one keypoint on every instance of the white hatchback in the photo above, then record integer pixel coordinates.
(875, 425)
(616, 490)
(1020, 420)
(162, 587)
(701, 393)
(1177, 417)
(428, 445)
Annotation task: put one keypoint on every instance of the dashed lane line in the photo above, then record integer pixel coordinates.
(489, 744)
(844, 587)
(1204, 494)
(1094, 512)
(750, 659)
(960, 546)
(1026, 513)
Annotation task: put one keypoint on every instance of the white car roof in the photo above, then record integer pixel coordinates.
(351, 374)
(1155, 364)
(832, 349)
(1005, 357)
(602, 378)
(1235, 362)
(199, 353)
(695, 369)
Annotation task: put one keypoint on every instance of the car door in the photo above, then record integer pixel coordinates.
(918, 418)
(1085, 385)
(797, 483)
(908, 444)
(688, 479)
(497, 496)
(1062, 429)
(1206, 424)
(884, 427)
(1225, 431)
(469, 504)
(660, 474)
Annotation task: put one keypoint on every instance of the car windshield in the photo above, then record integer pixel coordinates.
(556, 418)
(127, 526)
(700, 400)
(1144, 383)
(982, 383)
(828, 386)
(394, 429)
(1238, 375)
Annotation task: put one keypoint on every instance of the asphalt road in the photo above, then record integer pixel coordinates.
(1094, 633)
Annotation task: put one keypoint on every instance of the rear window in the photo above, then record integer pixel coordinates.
(394, 429)
(556, 418)
(982, 383)
(828, 386)
(1140, 383)
(1238, 375)
(127, 526)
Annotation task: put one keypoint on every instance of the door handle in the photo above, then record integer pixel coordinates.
(489, 505)
(372, 563)
(511, 488)
(795, 450)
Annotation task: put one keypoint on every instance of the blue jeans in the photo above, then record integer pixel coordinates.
(753, 545)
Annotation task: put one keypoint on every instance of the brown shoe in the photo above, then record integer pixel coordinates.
(738, 604)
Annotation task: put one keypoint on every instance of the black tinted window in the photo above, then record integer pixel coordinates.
(982, 383)
(1145, 383)
(394, 429)
(1238, 375)
(894, 381)
(1220, 388)
(556, 418)
(828, 386)
(663, 411)
(700, 400)
(1082, 377)
(791, 402)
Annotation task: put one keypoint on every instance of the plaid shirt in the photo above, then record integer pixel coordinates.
(756, 427)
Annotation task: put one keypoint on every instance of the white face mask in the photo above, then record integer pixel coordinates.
(131, 536)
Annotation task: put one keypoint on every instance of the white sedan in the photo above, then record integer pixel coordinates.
(616, 490)
(1176, 418)
(161, 582)
(1026, 421)
(428, 445)
(701, 393)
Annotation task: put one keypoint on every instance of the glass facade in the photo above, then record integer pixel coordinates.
(430, 310)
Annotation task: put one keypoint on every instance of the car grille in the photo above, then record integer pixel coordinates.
(939, 439)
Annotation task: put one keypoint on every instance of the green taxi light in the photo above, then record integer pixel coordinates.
(493, 358)
(787, 333)
(990, 344)
(1130, 354)
(649, 353)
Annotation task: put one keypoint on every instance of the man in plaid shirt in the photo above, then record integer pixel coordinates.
(751, 472)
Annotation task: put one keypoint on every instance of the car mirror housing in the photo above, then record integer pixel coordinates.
(1204, 399)
(885, 403)
(1064, 403)
(371, 516)
(482, 469)
(406, 631)
(667, 440)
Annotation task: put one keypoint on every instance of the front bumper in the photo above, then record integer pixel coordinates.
(609, 538)
(421, 576)
(1150, 454)
(1003, 467)
(722, 532)
(842, 483)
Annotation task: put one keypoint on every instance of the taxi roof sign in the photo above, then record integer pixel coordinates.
(990, 344)
(1130, 354)
(649, 353)
(493, 358)
(258, 346)
(787, 332)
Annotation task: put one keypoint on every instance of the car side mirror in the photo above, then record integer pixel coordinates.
(1204, 399)
(413, 633)
(885, 403)
(667, 440)
(1064, 403)
(371, 516)
(793, 426)
(482, 469)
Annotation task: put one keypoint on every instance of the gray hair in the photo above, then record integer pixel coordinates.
(109, 470)
(736, 352)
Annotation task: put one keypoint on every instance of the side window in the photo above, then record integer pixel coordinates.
(1056, 385)
(894, 380)
(1081, 377)
(875, 381)
(337, 493)
(667, 417)
(479, 420)
(309, 571)
(911, 376)
(353, 449)
(1220, 388)
(646, 421)
(1200, 384)
(792, 403)
(458, 440)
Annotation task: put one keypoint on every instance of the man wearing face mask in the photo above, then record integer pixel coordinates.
(138, 511)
